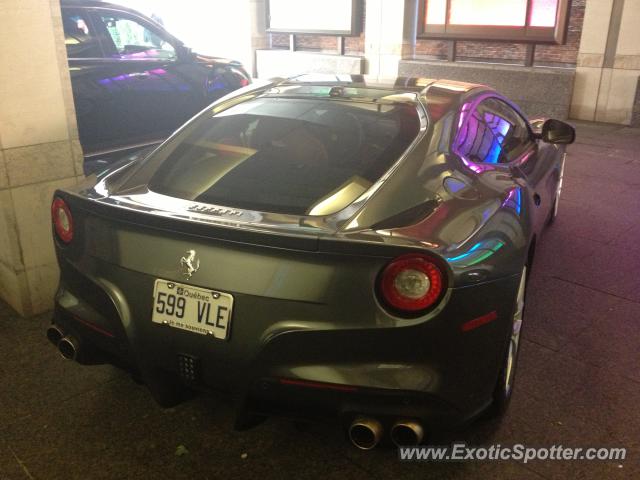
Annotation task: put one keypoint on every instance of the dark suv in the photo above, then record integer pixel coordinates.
(133, 82)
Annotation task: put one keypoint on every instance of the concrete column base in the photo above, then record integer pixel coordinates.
(28, 268)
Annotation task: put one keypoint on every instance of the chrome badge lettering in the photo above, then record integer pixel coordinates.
(190, 264)
(214, 210)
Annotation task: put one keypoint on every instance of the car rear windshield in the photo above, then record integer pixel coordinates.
(302, 156)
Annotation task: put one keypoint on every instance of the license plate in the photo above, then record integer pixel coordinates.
(198, 310)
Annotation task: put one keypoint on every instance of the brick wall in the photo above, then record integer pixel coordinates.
(513, 52)
(320, 43)
(565, 53)
(489, 51)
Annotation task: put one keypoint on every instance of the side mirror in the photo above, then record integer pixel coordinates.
(183, 52)
(558, 132)
(536, 126)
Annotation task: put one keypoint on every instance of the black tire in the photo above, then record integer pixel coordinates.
(554, 210)
(503, 389)
(556, 200)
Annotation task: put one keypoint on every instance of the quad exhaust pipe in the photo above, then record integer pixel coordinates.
(407, 433)
(68, 345)
(365, 433)
(54, 334)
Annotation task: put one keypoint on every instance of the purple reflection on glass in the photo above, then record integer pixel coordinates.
(467, 130)
(499, 127)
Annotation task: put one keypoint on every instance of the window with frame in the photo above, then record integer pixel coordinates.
(298, 156)
(79, 37)
(131, 40)
(513, 20)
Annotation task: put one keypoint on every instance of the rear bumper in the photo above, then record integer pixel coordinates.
(432, 370)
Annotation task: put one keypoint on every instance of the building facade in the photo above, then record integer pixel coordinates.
(567, 58)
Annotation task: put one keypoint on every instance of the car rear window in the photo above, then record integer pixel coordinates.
(286, 155)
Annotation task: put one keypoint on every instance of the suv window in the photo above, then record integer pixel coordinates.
(79, 37)
(132, 40)
(285, 155)
(493, 133)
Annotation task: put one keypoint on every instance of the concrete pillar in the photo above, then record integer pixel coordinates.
(259, 35)
(608, 62)
(390, 34)
(39, 148)
(626, 68)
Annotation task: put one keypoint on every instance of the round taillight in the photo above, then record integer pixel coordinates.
(62, 220)
(411, 283)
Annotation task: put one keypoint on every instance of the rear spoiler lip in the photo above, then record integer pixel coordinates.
(279, 237)
(124, 214)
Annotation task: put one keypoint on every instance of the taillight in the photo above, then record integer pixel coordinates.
(411, 284)
(62, 220)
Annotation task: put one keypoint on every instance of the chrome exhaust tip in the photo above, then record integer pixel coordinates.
(407, 433)
(365, 433)
(68, 347)
(54, 334)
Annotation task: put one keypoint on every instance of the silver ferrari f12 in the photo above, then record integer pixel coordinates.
(318, 247)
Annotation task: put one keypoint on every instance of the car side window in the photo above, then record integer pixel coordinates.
(79, 38)
(494, 133)
(132, 40)
(510, 129)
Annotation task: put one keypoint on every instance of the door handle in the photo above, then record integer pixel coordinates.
(536, 199)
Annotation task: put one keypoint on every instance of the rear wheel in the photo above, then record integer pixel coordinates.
(504, 386)
(556, 200)
(554, 209)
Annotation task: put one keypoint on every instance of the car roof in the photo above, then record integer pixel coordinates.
(98, 4)
(438, 95)
(395, 84)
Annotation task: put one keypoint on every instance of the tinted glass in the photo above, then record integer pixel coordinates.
(284, 155)
(493, 133)
(79, 37)
(132, 40)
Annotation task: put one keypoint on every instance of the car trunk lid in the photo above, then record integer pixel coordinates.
(286, 261)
